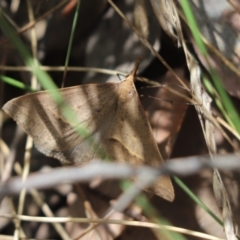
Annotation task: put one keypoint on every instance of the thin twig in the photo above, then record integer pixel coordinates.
(104, 170)
(110, 221)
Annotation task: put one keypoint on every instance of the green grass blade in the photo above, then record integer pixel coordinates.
(16, 83)
(72, 33)
(196, 199)
(150, 212)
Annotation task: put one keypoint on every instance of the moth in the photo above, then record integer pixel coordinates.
(113, 116)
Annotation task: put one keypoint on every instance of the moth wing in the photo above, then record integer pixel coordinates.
(130, 139)
(41, 118)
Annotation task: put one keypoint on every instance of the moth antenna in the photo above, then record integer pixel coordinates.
(135, 68)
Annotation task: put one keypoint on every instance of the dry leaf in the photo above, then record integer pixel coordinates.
(122, 45)
(167, 16)
(140, 17)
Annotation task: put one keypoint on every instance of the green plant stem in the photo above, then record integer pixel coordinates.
(227, 103)
(196, 199)
(71, 38)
